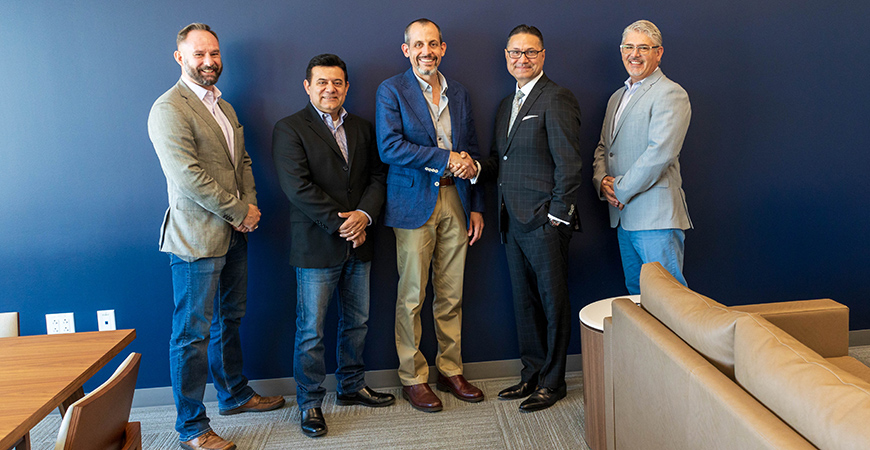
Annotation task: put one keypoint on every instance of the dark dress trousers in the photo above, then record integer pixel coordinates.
(538, 171)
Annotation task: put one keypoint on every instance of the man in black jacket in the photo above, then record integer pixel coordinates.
(328, 166)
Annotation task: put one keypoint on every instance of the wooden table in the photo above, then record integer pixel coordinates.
(40, 373)
(592, 354)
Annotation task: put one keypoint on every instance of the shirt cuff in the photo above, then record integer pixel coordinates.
(474, 180)
(552, 217)
(367, 215)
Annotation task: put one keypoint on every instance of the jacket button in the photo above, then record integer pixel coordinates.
(437, 184)
(505, 157)
(611, 154)
(344, 168)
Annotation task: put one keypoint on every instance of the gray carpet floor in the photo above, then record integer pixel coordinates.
(491, 424)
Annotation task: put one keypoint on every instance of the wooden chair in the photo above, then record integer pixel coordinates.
(9, 324)
(100, 420)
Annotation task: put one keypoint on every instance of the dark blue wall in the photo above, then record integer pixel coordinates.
(774, 164)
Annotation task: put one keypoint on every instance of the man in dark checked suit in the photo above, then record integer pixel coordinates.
(536, 158)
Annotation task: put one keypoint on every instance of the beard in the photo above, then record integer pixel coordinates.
(427, 72)
(203, 79)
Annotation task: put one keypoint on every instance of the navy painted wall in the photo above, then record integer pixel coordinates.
(774, 164)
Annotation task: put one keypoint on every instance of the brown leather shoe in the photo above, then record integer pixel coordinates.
(460, 388)
(421, 397)
(208, 441)
(256, 404)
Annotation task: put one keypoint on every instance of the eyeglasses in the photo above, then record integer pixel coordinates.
(643, 49)
(531, 54)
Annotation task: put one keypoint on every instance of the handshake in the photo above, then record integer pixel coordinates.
(462, 165)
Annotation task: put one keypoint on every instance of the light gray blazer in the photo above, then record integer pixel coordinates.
(201, 179)
(643, 155)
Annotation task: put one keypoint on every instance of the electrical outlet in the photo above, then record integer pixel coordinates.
(60, 323)
(106, 320)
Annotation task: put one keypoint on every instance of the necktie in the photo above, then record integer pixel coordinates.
(518, 100)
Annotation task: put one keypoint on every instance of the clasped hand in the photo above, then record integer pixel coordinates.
(354, 227)
(609, 193)
(251, 221)
(462, 165)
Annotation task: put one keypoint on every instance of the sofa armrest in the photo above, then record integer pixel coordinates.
(608, 384)
(822, 325)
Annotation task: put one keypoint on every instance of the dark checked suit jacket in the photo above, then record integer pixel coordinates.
(538, 163)
(319, 184)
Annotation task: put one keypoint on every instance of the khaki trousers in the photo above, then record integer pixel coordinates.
(442, 242)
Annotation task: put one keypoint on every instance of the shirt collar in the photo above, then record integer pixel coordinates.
(629, 85)
(527, 88)
(328, 118)
(425, 86)
(200, 91)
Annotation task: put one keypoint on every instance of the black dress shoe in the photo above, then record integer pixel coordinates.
(365, 397)
(313, 424)
(543, 398)
(523, 389)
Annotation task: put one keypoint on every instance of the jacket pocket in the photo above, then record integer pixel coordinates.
(397, 179)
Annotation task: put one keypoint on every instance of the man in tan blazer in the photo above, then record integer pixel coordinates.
(212, 204)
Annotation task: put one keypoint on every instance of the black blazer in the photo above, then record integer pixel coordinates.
(320, 184)
(538, 163)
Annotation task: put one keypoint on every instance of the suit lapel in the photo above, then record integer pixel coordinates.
(456, 113)
(350, 132)
(199, 108)
(527, 105)
(502, 118)
(238, 137)
(610, 115)
(644, 88)
(315, 122)
(414, 97)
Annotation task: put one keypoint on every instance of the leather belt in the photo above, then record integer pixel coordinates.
(446, 181)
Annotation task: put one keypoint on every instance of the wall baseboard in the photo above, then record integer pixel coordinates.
(376, 379)
(859, 337)
(161, 396)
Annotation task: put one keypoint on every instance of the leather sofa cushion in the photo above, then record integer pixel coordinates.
(829, 406)
(851, 365)
(703, 323)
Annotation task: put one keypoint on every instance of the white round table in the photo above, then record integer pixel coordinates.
(592, 354)
(593, 314)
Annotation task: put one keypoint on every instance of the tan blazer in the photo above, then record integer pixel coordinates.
(208, 192)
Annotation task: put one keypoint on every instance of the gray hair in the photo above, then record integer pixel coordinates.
(645, 27)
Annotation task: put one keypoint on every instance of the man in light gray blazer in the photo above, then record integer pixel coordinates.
(212, 204)
(636, 167)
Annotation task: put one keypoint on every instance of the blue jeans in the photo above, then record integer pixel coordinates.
(315, 289)
(640, 247)
(210, 296)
